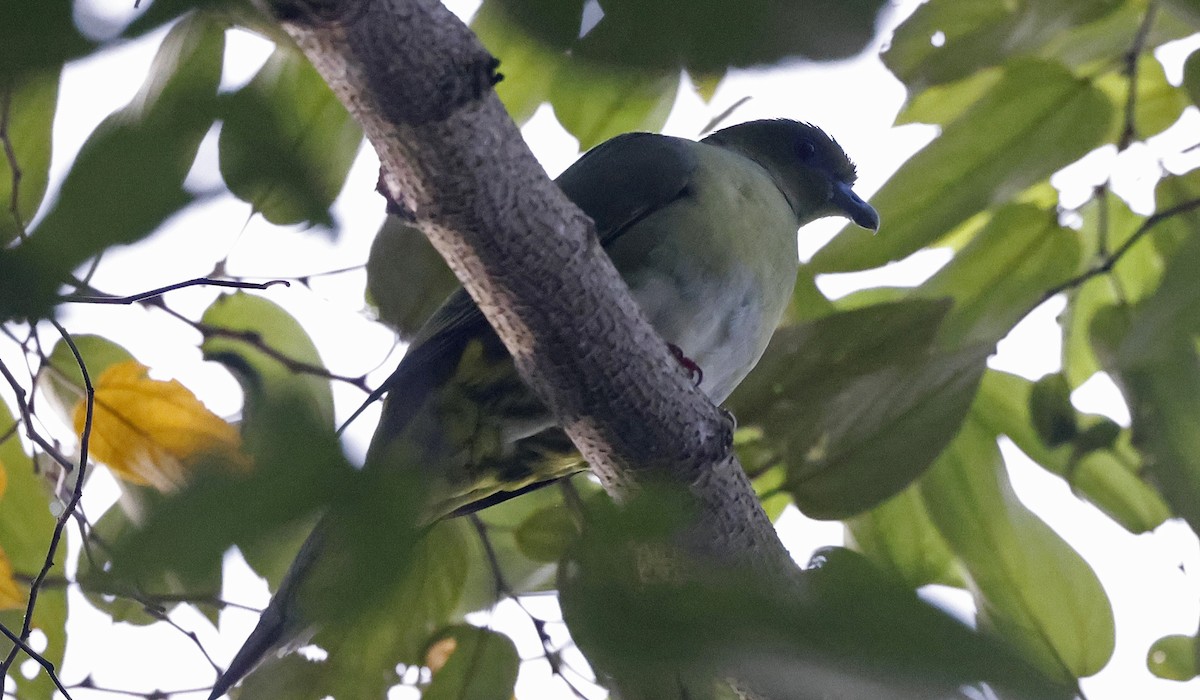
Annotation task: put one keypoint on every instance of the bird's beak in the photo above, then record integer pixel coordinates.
(854, 207)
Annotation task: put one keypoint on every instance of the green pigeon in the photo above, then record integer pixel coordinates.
(704, 234)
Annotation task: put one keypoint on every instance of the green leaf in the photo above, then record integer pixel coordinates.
(975, 34)
(1001, 275)
(26, 526)
(247, 318)
(482, 666)
(61, 379)
(122, 598)
(1109, 478)
(373, 624)
(28, 110)
(1191, 76)
(1035, 120)
(662, 639)
(1032, 587)
(596, 102)
(287, 143)
(527, 64)
(546, 534)
(898, 537)
(706, 35)
(1161, 383)
(942, 104)
(407, 280)
(1157, 104)
(128, 178)
(36, 37)
(860, 402)
(1174, 657)
(1051, 411)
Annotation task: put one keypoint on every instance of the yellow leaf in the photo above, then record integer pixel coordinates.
(152, 432)
(11, 596)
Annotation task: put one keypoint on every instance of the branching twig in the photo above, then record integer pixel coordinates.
(254, 339)
(88, 684)
(61, 521)
(1109, 262)
(153, 293)
(503, 590)
(41, 660)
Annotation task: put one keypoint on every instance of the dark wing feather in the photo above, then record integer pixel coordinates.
(616, 184)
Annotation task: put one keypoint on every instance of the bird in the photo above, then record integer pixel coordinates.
(704, 233)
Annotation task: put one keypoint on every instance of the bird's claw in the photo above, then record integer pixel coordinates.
(688, 364)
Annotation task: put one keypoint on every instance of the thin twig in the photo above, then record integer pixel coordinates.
(153, 293)
(41, 660)
(61, 521)
(11, 154)
(503, 590)
(1107, 265)
(1129, 132)
(254, 338)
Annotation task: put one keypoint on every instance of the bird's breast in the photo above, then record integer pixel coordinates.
(714, 270)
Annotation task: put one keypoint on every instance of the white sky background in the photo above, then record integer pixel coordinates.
(1150, 578)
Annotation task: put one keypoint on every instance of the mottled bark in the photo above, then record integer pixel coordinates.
(420, 84)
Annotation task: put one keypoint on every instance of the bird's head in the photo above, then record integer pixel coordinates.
(809, 167)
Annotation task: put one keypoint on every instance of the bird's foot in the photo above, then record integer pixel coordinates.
(690, 365)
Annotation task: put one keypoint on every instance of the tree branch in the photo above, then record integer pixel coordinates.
(453, 162)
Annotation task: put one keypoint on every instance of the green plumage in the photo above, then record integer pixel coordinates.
(704, 234)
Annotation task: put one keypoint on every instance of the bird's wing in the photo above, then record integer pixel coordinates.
(616, 184)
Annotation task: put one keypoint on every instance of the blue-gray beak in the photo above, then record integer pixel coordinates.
(854, 207)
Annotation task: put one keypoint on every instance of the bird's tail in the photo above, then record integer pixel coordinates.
(282, 626)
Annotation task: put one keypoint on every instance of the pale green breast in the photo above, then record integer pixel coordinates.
(713, 270)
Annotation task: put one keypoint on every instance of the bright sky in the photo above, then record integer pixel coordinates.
(1150, 578)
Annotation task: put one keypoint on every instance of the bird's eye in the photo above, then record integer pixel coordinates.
(805, 149)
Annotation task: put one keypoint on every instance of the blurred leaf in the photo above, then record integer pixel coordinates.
(595, 102)
(1188, 10)
(898, 537)
(26, 525)
(1191, 76)
(287, 143)
(407, 280)
(1108, 223)
(1159, 374)
(823, 639)
(1001, 275)
(1051, 411)
(546, 534)
(135, 600)
(28, 113)
(942, 104)
(706, 35)
(153, 432)
(1174, 657)
(61, 380)
(266, 381)
(1032, 587)
(974, 34)
(859, 402)
(1157, 105)
(11, 596)
(528, 65)
(1108, 478)
(482, 665)
(373, 623)
(36, 37)
(128, 178)
(1093, 46)
(262, 374)
(1035, 120)
(298, 469)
